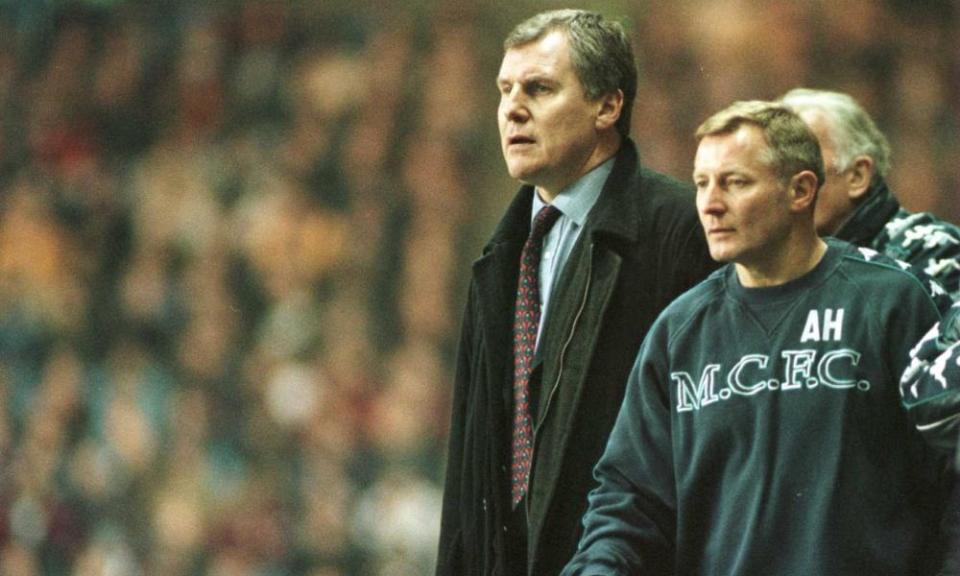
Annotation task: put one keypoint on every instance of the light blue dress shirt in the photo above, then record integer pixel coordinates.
(574, 203)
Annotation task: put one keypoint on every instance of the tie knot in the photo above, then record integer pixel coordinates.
(543, 222)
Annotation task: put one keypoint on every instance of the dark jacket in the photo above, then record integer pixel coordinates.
(917, 238)
(642, 246)
(932, 246)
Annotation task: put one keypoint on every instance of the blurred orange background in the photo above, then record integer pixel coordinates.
(235, 236)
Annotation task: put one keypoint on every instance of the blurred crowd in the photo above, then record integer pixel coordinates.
(234, 238)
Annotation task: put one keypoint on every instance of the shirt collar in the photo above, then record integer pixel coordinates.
(576, 200)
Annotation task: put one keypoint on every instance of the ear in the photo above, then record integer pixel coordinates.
(859, 177)
(610, 107)
(803, 191)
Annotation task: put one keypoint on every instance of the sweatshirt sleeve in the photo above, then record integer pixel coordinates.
(930, 380)
(631, 518)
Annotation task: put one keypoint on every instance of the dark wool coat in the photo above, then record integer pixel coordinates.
(920, 239)
(642, 246)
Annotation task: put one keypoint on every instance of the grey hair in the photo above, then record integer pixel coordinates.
(600, 52)
(851, 130)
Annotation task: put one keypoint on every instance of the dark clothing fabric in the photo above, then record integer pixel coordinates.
(763, 433)
(932, 246)
(641, 247)
(951, 528)
(920, 239)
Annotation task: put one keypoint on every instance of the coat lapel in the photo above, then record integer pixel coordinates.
(495, 274)
(574, 329)
(589, 277)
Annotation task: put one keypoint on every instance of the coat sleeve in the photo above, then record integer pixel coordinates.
(630, 520)
(930, 386)
(450, 556)
(934, 245)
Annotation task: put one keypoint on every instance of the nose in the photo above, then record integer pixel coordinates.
(710, 200)
(513, 106)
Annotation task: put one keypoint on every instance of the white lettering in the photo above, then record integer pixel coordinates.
(826, 373)
(755, 373)
(733, 379)
(833, 325)
(693, 397)
(799, 368)
(811, 331)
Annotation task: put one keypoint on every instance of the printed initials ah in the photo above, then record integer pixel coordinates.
(830, 329)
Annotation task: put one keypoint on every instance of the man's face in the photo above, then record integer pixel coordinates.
(547, 126)
(834, 203)
(743, 206)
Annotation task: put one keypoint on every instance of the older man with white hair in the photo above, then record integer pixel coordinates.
(856, 204)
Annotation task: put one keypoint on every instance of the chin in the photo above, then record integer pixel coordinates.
(720, 255)
(522, 173)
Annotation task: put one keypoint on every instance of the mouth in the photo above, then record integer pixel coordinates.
(519, 140)
(719, 231)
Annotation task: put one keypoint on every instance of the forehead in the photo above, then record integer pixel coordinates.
(744, 148)
(548, 55)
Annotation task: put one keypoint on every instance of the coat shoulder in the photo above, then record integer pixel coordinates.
(662, 190)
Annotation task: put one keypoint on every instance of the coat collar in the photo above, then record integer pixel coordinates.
(871, 216)
(616, 213)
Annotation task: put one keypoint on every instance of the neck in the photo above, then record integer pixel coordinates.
(607, 146)
(797, 261)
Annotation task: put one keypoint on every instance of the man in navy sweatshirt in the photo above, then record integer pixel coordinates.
(763, 430)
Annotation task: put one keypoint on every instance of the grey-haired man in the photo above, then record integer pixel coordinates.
(556, 313)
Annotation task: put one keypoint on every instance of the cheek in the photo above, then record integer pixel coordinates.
(567, 122)
(701, 203)
(702, 215)
(771, 221)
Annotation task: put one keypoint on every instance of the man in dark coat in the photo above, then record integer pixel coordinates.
(625, 243)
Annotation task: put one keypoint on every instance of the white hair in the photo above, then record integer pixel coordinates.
(851, 131)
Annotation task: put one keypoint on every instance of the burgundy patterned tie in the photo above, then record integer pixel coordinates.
(526, 323)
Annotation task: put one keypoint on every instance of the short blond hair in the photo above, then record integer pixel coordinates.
(793, 148)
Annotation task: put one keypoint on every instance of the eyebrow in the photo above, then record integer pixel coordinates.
(724, 172)
(538, 77)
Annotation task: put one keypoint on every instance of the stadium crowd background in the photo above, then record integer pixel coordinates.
(234, 238)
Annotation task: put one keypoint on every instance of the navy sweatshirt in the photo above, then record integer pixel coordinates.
(763, 433)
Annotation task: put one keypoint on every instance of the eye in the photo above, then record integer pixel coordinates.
(534, 88)
(736, 182)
